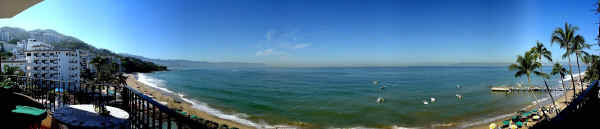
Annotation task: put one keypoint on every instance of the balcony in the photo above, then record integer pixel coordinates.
(144, 112)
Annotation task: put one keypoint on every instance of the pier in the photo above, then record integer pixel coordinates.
(511, 89)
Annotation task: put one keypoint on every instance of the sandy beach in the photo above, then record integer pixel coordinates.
(560, 102)
(174, 103)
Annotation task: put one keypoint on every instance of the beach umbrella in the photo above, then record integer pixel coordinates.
(506, 122)
(493, 126)
(536, 117)
(519, 124)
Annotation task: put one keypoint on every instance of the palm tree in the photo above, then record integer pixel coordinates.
(526, 65)
(539, 51)
(560, 70)
(99, 63)
(577, 48)
(592, 69)
(564, 37)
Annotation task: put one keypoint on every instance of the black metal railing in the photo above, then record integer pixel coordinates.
(144, 112)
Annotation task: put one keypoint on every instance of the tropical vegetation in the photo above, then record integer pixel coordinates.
(131, 64)
(565, 37)
(539, 51)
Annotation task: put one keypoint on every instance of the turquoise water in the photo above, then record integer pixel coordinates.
(345, 97)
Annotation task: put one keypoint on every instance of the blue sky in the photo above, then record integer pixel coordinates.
(315, 33)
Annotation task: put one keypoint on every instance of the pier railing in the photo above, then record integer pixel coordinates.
(582, 111)
(144, 112)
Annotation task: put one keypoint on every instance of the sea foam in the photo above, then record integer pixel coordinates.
(239, 117)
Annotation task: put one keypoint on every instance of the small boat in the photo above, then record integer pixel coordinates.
(432, 99)
(380, 100)
(425, 102)
(458, 96)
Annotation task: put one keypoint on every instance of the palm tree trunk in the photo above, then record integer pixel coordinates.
(547, 88)
(563, 85)
(579, 69)
(572, 79)
(535, 97)
(551, 97)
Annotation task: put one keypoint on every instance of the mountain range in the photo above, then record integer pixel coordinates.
(188, 64)
(64, 41)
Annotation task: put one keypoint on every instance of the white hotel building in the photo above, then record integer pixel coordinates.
(41, 60)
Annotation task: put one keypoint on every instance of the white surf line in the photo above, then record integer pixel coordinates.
(157, 83)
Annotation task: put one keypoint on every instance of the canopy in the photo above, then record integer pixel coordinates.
(10, 8)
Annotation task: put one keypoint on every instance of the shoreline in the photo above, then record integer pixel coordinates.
(177, 101)
(561, 103)
(181, 103)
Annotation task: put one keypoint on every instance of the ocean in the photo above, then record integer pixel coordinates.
(346, 97)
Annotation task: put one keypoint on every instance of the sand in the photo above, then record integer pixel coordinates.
(560, 102)
(175, 104)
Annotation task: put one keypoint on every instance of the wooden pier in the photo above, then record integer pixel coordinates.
(511, 89)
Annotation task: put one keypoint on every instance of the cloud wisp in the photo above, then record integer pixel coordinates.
(277, 43)
(301, 45)
(268, 52)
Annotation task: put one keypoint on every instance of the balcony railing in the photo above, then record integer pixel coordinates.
(144, 112)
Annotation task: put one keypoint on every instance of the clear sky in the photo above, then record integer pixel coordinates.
(314, 33)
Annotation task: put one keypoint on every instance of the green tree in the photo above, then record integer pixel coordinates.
(101, 68)
(539, 51)
(560, 70)
(565, 37)
(577, 49)
(526, 65)
(10, 70)
(593, 69)
(13, 41)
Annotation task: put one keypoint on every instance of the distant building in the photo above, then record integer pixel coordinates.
(5, 36)
(42, 60)
(85, 57)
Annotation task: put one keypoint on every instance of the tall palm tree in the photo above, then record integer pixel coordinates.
(577, 49)
(526, 65)
(564, 37)
(560, 70)
(539, 51)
